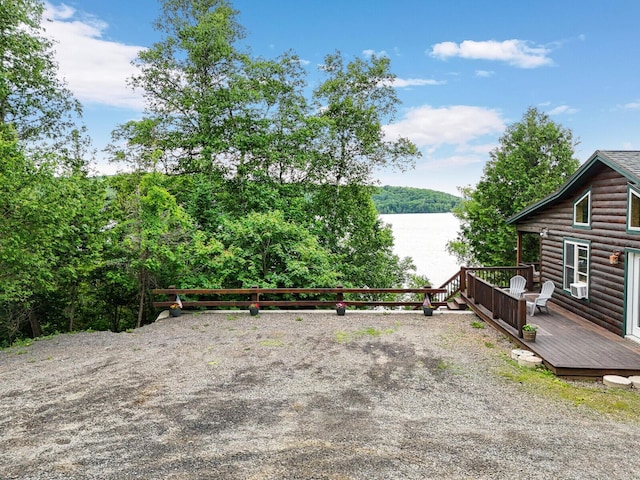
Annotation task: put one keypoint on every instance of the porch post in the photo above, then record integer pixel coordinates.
(519, 248)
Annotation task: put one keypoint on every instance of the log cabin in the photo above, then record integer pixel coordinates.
(589, 232)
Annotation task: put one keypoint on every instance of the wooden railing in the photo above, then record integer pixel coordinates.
(503, 306)
(294, 298)
(452, 287)
(495, 275)
(500, 276)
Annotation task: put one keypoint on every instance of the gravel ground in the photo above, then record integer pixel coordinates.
(292, 396)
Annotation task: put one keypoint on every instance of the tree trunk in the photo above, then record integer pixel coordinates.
(36, 329)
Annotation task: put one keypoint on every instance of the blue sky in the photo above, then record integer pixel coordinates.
(466, 68)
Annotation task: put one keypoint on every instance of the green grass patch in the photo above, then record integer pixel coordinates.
(346, 337)
(476, 324)
(619, 403)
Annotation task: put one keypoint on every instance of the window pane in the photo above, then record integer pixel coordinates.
(581, 211)
(634, 214)
(583, 260)
(568, 277)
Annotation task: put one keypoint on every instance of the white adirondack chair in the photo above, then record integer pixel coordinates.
(517, 285)
(540, 301)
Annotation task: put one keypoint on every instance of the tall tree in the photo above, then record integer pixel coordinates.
(354, 101)
(535, 157)
(150, 236)
(32, 98)
(49, 225)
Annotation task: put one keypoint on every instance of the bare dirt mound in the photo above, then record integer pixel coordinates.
(291, 396)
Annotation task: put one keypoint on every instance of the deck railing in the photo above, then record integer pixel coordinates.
(295, 298)
(503, 305)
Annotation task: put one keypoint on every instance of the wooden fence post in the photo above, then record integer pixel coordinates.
(427, 295)
(255, 297)
(521, 315)
(339, 295)
(172, 296)
(463, 279)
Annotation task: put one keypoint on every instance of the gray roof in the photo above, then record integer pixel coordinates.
(625, 162)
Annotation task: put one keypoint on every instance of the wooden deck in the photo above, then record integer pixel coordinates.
(570, 346)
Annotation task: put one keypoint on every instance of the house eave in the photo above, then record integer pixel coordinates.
(599, 157)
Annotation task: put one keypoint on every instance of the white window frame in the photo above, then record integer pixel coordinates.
(587, 197)
(573, 252)
(633, 193)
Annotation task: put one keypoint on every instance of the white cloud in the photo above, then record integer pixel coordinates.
(518, 53)
(563, 110)
(371, 53)
(95, 69)
(632, 105)
(415, 82)
(484, 73)
(427, 126)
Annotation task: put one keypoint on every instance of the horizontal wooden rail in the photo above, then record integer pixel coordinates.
(256, 293)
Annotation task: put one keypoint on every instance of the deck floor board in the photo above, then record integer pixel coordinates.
(571, 346)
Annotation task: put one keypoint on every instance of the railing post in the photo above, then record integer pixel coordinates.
(463, 279)
(339, 295)
(494, 313)
(255, 297)
(427, 295)
(521, 315)
(172, 297)
(530, 277)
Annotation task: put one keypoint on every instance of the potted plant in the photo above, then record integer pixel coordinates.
(254, 309)
(175, 310)
(341, 308)
(427, 307)
(529, 332)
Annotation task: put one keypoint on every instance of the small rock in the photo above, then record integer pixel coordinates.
(616, 381)
(635, 381)
(529, 361)
(517, 353)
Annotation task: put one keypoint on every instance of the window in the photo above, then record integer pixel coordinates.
(576, 263)
(582, 211)
(633, 211)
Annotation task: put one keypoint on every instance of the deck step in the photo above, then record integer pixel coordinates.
(458, 303)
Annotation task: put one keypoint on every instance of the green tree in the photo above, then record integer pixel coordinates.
(32, 98)
(49, 230)
(354, 101)
(267, 250)
(150, 236)
(241, 134)
(535, 158)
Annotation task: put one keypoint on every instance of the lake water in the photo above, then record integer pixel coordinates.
(423, 237)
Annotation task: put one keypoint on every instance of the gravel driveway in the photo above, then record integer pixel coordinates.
(293, 396)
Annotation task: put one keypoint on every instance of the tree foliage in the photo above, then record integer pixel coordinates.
(32, 99)
(535, 158)
(250, 142)
(241, 175)
(49, 233)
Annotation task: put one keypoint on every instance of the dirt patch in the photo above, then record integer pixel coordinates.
(291, 396)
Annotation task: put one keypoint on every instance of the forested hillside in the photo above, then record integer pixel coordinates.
(413, 200)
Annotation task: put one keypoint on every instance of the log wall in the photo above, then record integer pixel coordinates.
(605, 305)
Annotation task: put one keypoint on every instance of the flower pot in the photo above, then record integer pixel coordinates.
(175, 312)
(341, 311)
(427, 311)
(254, 311)
(529, 336)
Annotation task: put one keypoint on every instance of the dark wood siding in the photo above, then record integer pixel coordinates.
(605, 306)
